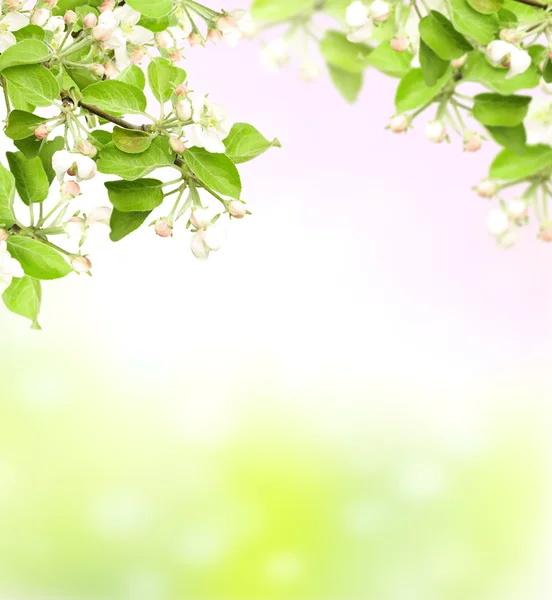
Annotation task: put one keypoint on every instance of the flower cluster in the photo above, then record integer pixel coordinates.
(72, 74)
(441, 51)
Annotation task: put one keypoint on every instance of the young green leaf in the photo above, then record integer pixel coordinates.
(439, 34)
(244, 143)
(388, 61)
(37, 259)
(482, 28)
(413, 92)
(433, 67)
(135, 196)
(30, 178)
(123, 223)
(22, 124)
(132, 141)
(7, 195)
(216, 171)
(23, 298)
(500, 111)
(348, 84)
(25, 52)
(30, 146)
(133, 75)
(154, 9)
(113, 161)
(163, 78)
(115, 97)
(508, 165)
(339, 52)
(513, 138)
(486, 7)
(547, 71)
(34, 84)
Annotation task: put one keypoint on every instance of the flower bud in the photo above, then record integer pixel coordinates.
(458, 63)
(175, 56)
(399, 44)
(356, 14)
(435, 132)
(70, 189)
(486, 188)
(164, 39)
(86, 148)
(227, 24)
(50, 3)
(97, 69)
(184, 110)
(108, 5)
(14, 4)
(472, 142)
(194, 39)
(309, 70)
(163, 228)
(70, 17)
(198, 248)
(399, 123)
(101, 34)
(379, 10)
(237, 209)
(81, 264)
(3, 235)
(177, 145)
(200, 218)
(42, 131)
(137, 55)
(214, 36)
(510, 35)
(110, 70)
(214, 237)
(517, 208)
(75, 228)
(40, 16)
(90, 20)
(181, 90)
(498, 222)
(545, 233)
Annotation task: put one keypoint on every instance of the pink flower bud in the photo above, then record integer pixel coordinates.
(486, 188)
(81, 264)
(90, 20)
(399, 123)
(70, 189)
(137, 55)
(200, 218)
(545, 234)
(40, 16)
(3, 235)
(110, 70)
(97, 69)
(181, 90)
(214, 36)
(227, 24)
(163, 228)
(107, 5)
(42, 131)
(510, 35)
(435, 132)
(14, 4)
(101, 34)
(86, 148)
(237, 209)
(175, 56)
(458, 63)
(194, 39)
(70, 17)
(184, 110)
(399, 44)
(51, 3)
(472, 142)
(177, 145)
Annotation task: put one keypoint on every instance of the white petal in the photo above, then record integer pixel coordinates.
(498, 49)
(214, 237)
(356, 14)
(61, 161)
(362, 34)
(7, 39)
(101, 213)
(15, 21)
(140, 36)
(520, 61)
(197, 246)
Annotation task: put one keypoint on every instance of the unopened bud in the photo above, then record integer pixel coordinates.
(517, 208)
(75, 228)
(184, 110)
(101, 34)
(70, 17)
(3, 235)
(200, 218)
(458, 63)
(177, 145)
(164, 39)
(435, 132)
(545, 233)
(472, 142)
(137, 55)
(50, 3)
(486, 188)
(86, 148)
(107, 5)
(498, 222)
(90, 20)
(194, 39)
(40, 16)
(510, 35)
(42, 131)
(237, 209)
(163, 228)
(97, 69)
(214, 36)
(175, 56)
(399, 123)
(399, 44)
(81, 264)
(110, 70)
(70, 189)
(379, 10)
(181, 90)
(14, 4)
(227, 23)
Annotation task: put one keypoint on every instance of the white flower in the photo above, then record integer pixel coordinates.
(234, 25)
(9, 267)
(84, 166)
(56, 25)
(379, 10)
(201, 218)
(518, 61)
(210, 124)
(207, 240)
(40, 16)
(361, 34)
(275, 54)
(517, 207)
(13, 21)
(498, 222)
(199, 250)
(435, 132)
(538, 122)
(97, 223)
(356, 14)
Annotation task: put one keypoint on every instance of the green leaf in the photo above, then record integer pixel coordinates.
(433, 67)
(482, 28)
(102, 138)
(24, 52)
(82, 77)
(508, 166)
(132, 141)
(157, 25)
(22, 124)
(339, 52)
(29, 32)
(113, 161)
(439, 34)
(269, 10)
(34, 84)
(123, 223)
(115, 97)
(163, 78)
(500, 111)
(244, 143)
(7, 195)
(513, 138)
(23, 298)
(133, 75)
(413, 92)
(486, 7)
(135, 196)
(155, 9)
(216, 171)
(65, 5)
(47, 151)
(547, 71)
(30, 178)
(523, 12)
(37, 259)
(348, 84)
(479, 70)
(390, 62)
(30, 146)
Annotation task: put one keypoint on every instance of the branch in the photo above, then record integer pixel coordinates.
(536, 3)
(118, 121)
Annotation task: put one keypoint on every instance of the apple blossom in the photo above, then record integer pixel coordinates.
(200, 218)
(41, 132)
(13, 21)
(486, 188)
(435, 132)
(509, 55)
(498, 221)
(399, 123)
(40, 16)
(237, 209)
(458, 63)
(81, 264)
(163, 228)
(356, 14)
(472, 142)
(379, 10)
(83, 167)
(400, 44)
(210, 124)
